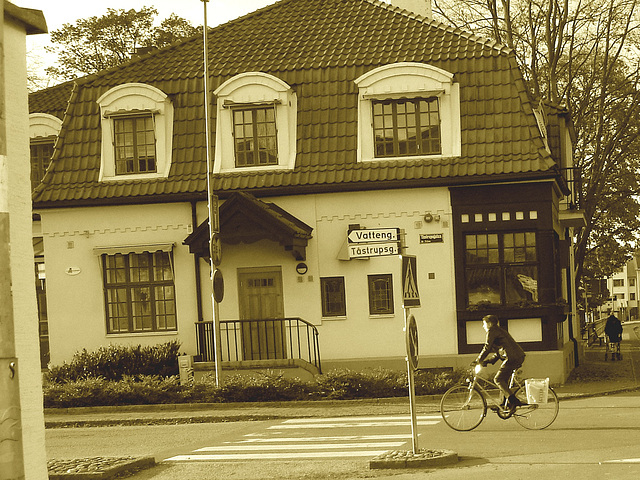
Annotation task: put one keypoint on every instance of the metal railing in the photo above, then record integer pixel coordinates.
(263, 339)
(573, 176)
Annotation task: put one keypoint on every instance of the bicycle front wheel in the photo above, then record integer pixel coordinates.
(463, 408)
(536, 416)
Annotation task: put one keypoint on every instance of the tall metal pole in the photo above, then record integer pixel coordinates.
(212, 199)
(11, 453)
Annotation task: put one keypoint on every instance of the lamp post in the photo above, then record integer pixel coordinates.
(212, 202)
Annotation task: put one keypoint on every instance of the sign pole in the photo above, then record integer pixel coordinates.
(412, 386)
(212, 202)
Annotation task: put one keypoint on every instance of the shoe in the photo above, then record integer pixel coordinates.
(514, 402)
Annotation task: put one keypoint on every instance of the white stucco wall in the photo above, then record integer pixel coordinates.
(76, 302)
(22, 273)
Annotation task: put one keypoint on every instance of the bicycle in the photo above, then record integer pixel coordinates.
(464, 407)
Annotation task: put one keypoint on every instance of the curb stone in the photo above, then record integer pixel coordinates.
(96, 468)
(407, 459)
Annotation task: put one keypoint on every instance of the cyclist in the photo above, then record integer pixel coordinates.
(502, 345)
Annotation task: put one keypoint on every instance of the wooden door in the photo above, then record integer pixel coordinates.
(260, 296)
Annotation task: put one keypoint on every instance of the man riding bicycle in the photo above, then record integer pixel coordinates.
(502, 345)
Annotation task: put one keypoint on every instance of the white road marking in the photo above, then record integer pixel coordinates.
(360, 419)
(624, 460)
(324, 439)
(350, 425)
(320, 446)
(274, 456)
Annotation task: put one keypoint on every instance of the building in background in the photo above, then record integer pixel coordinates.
(346, 132)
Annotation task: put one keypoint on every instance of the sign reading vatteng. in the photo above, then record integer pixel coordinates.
(374, 235)
(373, 250)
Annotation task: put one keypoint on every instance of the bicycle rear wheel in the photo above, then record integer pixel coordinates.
(462, 408)
(536, 416)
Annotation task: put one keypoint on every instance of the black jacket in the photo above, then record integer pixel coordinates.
(499, 341)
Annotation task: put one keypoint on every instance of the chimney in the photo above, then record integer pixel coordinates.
(421, 7)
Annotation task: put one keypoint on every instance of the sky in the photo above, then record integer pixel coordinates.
(59, 12)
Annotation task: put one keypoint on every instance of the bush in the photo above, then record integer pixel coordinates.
(116, 361)
(269, 386)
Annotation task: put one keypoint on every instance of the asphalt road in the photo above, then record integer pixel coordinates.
(592, 438)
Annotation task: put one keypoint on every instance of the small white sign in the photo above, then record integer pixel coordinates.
(373, 250)
(374, 235)
(72, 270)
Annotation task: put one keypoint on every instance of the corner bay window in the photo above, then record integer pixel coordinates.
(333, 297)
(501, 268)
(135, 145)
(406, 127)
(380, 294)
(255, 136)
(139, 292)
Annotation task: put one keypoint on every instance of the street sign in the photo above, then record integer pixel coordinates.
(412, 342)
(410, 294)
(431, 238)
(373, 250)
(374, 235)
(216, 249)
(218, 286)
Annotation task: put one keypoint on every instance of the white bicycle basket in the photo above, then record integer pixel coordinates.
(537, 390)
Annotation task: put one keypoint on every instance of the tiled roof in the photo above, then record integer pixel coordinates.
(319, 47)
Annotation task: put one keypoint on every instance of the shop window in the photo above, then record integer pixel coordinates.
(255, 124)
(408, 110)
(137, 133)
(380, 294)
(139, 292)
(501, 268)
(333, 297)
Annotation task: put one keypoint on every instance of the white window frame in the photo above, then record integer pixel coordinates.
(126, 100)
(255, 89)
(409, 80)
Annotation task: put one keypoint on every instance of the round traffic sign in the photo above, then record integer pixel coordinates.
(412, 342)
(218, 286)
(216, 249)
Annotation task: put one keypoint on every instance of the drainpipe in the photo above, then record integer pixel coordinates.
(11, 452)
(196, 259)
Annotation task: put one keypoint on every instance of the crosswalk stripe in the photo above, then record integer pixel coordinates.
(361, 419)
(325, 439)
(320, 446)
(275, 456)
(624, 460)
(349, 425)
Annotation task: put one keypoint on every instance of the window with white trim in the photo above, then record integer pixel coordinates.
(43, 133)
(137, 132)
(139, 292)
(255, 124)
(408, 110)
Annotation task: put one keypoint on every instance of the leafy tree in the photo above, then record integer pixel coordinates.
(584, 55)
(96, 43)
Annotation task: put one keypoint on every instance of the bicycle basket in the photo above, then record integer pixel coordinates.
(537, 390)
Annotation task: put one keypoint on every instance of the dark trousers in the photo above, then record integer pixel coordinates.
(504, 375)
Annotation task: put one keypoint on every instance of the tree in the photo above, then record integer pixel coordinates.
(584, 55)
(96, 43)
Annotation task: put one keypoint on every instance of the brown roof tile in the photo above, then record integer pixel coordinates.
(319, 47)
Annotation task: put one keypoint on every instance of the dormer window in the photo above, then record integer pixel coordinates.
(137, 133)
(254, 132)
(255, 124)
(408, 110)
(406, 127)
(43, 132)
(135, 144)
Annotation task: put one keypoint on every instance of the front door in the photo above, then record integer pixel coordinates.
(261, 299)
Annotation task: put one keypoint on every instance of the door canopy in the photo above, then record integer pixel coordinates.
(246, 219)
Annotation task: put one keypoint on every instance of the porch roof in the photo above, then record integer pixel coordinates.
(246, 219)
